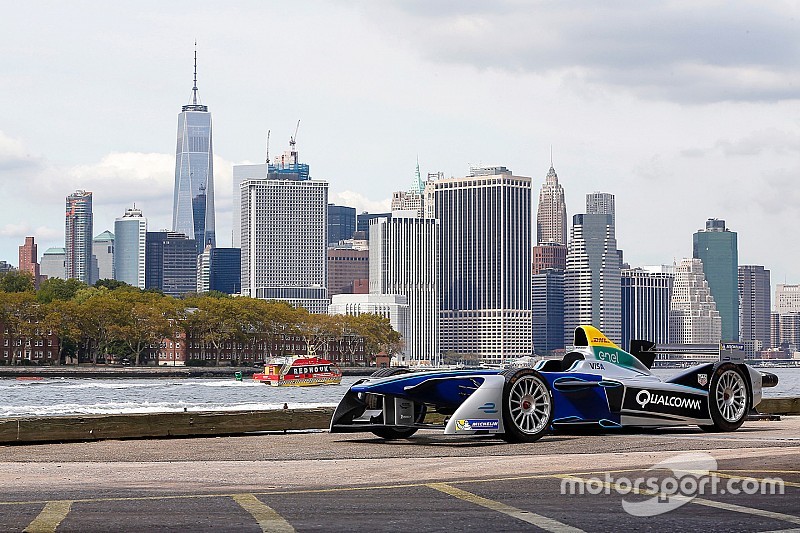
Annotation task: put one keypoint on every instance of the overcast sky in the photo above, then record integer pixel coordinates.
(683, 110)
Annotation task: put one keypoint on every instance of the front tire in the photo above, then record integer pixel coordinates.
(728, 398)
(527, 405)
(391, 433)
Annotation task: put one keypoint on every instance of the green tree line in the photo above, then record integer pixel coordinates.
(113, 318)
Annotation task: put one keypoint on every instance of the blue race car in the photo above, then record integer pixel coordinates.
(597, 384)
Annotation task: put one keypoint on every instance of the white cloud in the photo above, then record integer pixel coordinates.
(14, 155)
(360, 202)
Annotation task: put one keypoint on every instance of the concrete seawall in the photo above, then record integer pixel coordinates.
(207, 423)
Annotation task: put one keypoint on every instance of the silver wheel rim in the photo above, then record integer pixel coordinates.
(731, 396)
(529, 404)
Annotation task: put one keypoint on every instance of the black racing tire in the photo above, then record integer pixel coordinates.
(528, 406)
(390, 433)
(728, 398)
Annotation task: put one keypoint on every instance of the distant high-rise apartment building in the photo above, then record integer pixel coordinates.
(29, 260)
(551, 215)
(549, 256)
(404, 260)
(785, 331)
(646, 297)
(341, 223)
(754, 299)
(240, 174)
(787, 298)
(285, 237)
(717, 247)
(130, 233)
(52, 263)
(485, 264)
(103, 256)
(547, 296)
(225, 273)
(193, 199)
(693, 315)
(204, 270)
(601, 203)
(170, 263)
(78, 237)
(592, 278)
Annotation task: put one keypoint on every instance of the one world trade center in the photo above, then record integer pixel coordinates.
(193, 202)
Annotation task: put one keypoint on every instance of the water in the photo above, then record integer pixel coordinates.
(71, 396)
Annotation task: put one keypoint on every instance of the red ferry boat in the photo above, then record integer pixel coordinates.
(299, 372)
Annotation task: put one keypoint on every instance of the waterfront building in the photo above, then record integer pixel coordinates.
(130, 233)
(225, 272)
(787, 298)
(345, 267)
(485, 264)
(551, 215)
(284, 236)
(240, 174)
(646, 296)
(341, 223)
(393, 307)
(78, 237)
(717, 247)
(170, 263)
(592, 289)
(29, 260)
(403, 259)
(193, 199)
(103, 256)
(693, 315)
(547, 296)
(755, 308)
(52, 264)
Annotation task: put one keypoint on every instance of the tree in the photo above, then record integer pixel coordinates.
(213, 321)
(149, 319)
(111, 284)
(98, 314)
(16, 281)
(61, 317)
(378, 334)
(53, 289)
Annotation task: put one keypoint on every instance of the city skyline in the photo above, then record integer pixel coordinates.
(725, 114)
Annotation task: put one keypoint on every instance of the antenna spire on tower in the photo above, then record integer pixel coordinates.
(194, 88)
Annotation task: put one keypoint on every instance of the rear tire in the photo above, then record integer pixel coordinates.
(527, 405)
(728, 398)
(391, 433)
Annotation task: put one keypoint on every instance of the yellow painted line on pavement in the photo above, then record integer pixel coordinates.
(52, 515)
(760, 479)
(266, 516)
(792, 519)
(543, 522)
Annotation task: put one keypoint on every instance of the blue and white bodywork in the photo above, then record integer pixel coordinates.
(596, 384)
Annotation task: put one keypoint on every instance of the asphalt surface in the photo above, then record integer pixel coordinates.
(354, 482)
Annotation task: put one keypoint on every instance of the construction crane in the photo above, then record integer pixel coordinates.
(268, 132)
(293, 139)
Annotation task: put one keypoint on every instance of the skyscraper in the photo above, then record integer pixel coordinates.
(787, 298)
(592, 277)
(485, 264)
(341, 223)
(130, 232)
(193, 200)
(103, 256)
(241, 173)
(29, 260)
(404, 260)
(547, 296)
(717, 247)
(754, 298)
(170, 263)
(646, 297)
(551, 215)
(226, 270)
(412, 199)
(601, 203)
(52, 263)
(284, 237)
(693, 315)
(78, 237)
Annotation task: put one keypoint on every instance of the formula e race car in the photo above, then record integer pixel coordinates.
(596, 384)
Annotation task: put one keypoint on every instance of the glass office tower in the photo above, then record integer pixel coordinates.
(193, 201)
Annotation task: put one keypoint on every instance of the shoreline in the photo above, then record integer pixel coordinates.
(103, 371)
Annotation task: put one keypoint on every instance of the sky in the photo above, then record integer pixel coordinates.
(685, 110)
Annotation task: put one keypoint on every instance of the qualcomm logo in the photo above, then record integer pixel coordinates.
(645, 397)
